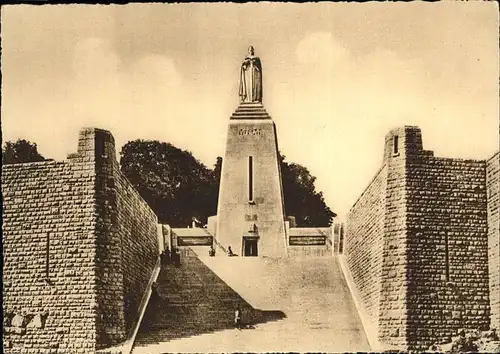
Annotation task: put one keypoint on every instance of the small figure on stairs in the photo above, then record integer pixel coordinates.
(211, 252)
(230, 252)
(173, 255)
(154, 291)
(237, 317)
(177, 261)
(165, 256)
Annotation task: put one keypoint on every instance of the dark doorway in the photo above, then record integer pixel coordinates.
(250, 247)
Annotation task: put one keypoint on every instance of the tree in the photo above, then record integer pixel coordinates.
(212, 193)
(20, 151)
(301, 198)
(177, 186)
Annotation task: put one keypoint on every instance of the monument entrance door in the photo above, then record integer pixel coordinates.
(250, 248)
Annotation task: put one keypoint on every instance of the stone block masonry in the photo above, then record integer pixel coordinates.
(393, 321)
(79, 248)
(493, 192)
(447, 248)
(421, 260)
(364, 253)
(49, 252)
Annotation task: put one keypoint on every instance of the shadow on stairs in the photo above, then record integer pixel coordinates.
(193, 300)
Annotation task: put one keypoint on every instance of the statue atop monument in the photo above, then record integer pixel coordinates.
(251, 78)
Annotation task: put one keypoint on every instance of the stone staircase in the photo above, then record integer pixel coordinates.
(192, 301)
(195, 308)
(320, 313)
(250, 111)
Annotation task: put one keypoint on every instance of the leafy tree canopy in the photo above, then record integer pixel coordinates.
(178, 187)
(301, 198)
(20, 151)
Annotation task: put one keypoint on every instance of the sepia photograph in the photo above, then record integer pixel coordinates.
(250, 177)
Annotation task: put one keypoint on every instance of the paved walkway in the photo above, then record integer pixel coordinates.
(320, 314)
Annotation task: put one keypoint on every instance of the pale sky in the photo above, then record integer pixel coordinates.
(337, 78)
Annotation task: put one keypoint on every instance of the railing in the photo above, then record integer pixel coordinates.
(129, 343)
(219, 245)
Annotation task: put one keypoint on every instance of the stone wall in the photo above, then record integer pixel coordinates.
(309, 251)
(433, 276)
(110, 283)
(493, 187)
(128, 240)
(363, 247)
(49, 252)
(394, 286)
(447, 248)
(139, 235)
(79, 247)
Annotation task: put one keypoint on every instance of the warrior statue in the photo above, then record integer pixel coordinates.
(251, 78)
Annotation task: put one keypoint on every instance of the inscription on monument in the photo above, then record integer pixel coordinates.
(253, 132)
(249, 217)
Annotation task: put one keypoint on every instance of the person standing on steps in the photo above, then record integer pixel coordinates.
(230, 252)
(173, 255)
(237, 317)
(177, 257)
(167, 255)
(154, 291)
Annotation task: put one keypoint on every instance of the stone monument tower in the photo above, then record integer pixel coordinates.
(250, 216)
